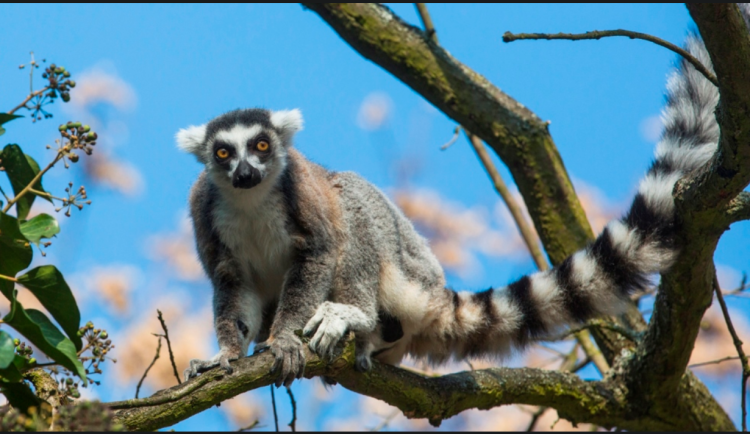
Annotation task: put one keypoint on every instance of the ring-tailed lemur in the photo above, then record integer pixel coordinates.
(290, 245)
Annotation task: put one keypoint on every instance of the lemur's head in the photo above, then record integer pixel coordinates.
(243, 147)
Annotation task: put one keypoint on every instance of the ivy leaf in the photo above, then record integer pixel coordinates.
(4, 118)
(21, 170)
(49, 287)
(41, 226)
(40, 331)
(11, 374)
(7, 350)
(15, 252)
(14, 371)
(20, 396)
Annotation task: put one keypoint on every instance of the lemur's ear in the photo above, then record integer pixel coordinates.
(288, 122)
(190, 140)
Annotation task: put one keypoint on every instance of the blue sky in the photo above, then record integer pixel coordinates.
(185, 64)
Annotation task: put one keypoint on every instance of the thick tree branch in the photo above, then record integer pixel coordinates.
(726, 37)
(417, 396)
(656, 370)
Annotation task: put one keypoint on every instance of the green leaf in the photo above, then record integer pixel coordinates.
(21, 169)
(40, 331)
(48, 285)
(7, 350)
(41, 226)
(15, 252)
(12, 373)
(20, 396)
(5, 118)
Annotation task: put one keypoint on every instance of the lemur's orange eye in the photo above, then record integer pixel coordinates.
(222, 153)
(262, 146)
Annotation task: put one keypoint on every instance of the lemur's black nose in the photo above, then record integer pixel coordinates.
(245, 176)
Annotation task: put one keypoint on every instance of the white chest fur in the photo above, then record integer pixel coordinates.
(253, 225)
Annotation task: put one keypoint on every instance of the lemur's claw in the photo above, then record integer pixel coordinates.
(328, 327)
(289, 359)
(198, 366)
(260, 347)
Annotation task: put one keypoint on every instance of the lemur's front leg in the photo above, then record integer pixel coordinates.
(237, 317)
(307, 285)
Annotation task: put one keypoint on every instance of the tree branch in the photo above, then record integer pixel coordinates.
(169, 345)
(656, 372)
(739, 208)
(417, 396)
(598, 34)
(740, 352)
(726, 37)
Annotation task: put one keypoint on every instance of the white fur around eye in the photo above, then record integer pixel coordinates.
(191, 138)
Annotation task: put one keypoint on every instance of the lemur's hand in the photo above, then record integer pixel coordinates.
(222, 359)
(328, 327)
(290, 357)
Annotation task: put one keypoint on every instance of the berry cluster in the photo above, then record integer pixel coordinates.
(77, 136)
(24, 350)
(98, 345)
(59, 81)
(58, 85)
(75, 199)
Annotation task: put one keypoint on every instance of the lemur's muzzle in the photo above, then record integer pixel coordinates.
(245, 176)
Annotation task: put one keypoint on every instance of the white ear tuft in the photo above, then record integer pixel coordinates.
(288, 121)
(191, 138)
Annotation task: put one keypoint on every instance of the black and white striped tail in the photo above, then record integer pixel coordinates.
(596, 280)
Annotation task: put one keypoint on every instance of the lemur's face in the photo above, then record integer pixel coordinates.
(243, 148)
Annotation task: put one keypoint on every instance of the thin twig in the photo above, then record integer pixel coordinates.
(169, 345)
(424, 15)
(535, 418)
(33, 181)
(250, 427)
(497, 181)
(598, 34)
(453, 139)
(159, 400)
(740, 351)
(156, 357)
(12, 279)
(293, 423)
(386, 420)
(45, 194)
(28, 98)
(7, 198)
(713, 362)
(275, 415)
(632, 336)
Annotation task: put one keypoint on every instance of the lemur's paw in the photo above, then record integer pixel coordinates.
(198, 366)
(329, 325)
(289, 358)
